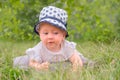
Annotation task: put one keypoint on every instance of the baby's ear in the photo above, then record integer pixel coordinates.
(39, 31)
(64, 34)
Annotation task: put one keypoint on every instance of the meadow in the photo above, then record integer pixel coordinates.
(105, 56)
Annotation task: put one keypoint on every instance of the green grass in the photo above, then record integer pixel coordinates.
(106, 56)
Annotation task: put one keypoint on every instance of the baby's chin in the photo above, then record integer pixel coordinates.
(53, 48)
(51, 45)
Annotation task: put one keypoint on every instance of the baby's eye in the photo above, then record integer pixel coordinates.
(55, 33)
(45, 33)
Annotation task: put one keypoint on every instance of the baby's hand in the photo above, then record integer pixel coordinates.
(38, 66)
(76, 62)
(44, 66)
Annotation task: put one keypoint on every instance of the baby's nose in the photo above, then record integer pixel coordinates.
(50, 35)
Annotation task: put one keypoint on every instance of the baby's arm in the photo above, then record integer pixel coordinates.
(76, 61)
(38, 66)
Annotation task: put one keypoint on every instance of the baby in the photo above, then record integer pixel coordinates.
(53, 47)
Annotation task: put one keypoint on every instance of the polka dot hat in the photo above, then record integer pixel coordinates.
(54, 16)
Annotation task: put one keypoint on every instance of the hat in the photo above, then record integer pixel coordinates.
(54, 16)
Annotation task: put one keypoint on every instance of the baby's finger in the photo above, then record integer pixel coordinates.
(46, 63)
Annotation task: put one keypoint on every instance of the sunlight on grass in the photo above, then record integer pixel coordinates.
(105, 56)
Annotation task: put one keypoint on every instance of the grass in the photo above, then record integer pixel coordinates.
(106, 56)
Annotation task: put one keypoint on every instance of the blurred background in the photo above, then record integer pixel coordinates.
(89, 20)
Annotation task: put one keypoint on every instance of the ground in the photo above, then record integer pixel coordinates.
(106, 56)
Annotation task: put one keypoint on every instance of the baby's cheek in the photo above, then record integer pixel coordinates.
(42, 38)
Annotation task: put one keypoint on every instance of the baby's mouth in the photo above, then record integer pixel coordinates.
(50, 42)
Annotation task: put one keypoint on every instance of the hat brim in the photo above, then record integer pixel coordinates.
(52, 22)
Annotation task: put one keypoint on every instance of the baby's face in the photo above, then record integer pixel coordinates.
(51, 36)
